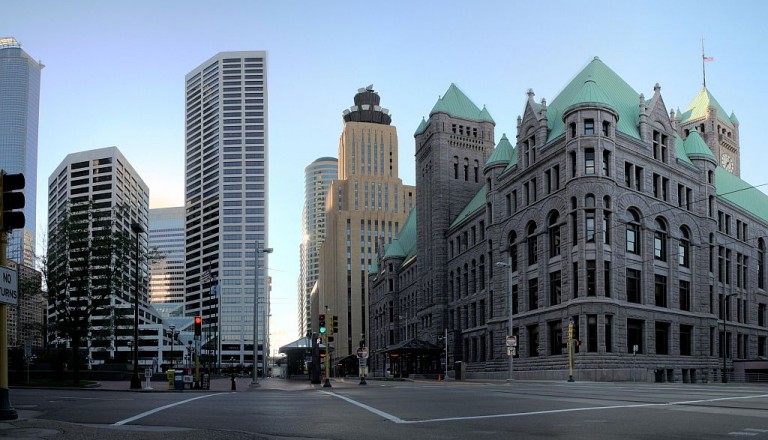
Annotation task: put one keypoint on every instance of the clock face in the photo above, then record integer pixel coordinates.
(726, 161)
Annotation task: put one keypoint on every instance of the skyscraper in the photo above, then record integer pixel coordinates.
(19, 113)
(226, 198)
(99, 181)
(368, 205)
(317, 179)
(166, 235)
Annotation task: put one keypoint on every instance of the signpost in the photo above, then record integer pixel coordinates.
(9, 286)
(362, 356)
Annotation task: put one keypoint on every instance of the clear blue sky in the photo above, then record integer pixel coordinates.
(115, 71)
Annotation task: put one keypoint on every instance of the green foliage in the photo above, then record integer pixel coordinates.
(88, 258)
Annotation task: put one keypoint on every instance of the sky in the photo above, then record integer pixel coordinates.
(114, 76)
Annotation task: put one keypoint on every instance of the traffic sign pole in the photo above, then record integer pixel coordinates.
(7, 412)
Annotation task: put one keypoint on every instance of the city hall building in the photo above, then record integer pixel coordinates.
(606, 211)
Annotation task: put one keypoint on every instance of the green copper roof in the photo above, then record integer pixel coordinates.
(502, 153)
(680, 149)
(617, 94)
(475, 204)
(742, 194)
(404, 245)
(422, 126)
(591, 93)
(694, 145)
(698, 108)
(456, 104)
(734, 120)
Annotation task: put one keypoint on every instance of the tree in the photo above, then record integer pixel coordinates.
(87, 270)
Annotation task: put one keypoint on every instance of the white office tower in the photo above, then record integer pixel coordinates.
(166, 271)
(226, 202)
(104, 180)
(318, 177)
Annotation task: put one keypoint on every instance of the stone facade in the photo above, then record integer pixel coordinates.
(612, 215)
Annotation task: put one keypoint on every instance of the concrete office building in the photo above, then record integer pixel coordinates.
(166, 235)
(226, 190)
(368, 204)
(317, 179)
(607, 213)
(105, 178)
(19, 115)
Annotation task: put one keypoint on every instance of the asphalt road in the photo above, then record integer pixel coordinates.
(399, 410)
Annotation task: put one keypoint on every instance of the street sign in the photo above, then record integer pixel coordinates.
(362, 352)
(511, 341)
(9, 286)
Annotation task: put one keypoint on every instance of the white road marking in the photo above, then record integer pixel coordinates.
(755, 430)
(152, 411)
(749, 434)
(398, 420)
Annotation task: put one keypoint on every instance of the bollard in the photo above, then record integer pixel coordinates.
(234, 384)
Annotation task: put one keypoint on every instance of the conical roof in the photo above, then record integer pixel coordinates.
(609, 89)
(422, 126)
(455, 103)
(695, 146)
(734, 119)
(502, 154)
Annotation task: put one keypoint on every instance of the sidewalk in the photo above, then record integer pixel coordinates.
(218, 384)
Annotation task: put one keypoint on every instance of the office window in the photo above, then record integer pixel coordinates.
(633, 286)
(633, 232)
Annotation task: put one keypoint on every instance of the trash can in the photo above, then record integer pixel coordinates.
(458, 370)
(171, 379)
(178, 380)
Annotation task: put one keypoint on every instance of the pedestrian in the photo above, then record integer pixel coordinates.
(234, 384)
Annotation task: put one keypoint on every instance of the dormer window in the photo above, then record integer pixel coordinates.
(589, 127)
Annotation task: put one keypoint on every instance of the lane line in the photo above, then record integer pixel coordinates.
(378, 412)
(152, 411)
(398, 420)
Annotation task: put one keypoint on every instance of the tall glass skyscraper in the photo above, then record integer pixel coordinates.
(318, 177)
(226, 200)
(19, 114)
(166, 275)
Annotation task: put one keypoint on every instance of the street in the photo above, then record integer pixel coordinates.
(400, 410)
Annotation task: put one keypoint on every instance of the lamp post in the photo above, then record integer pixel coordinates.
(173, 336)
(509, 312)
(259, 250)
(135, 381)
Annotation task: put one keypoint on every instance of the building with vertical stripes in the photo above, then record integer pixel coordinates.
(226, 209)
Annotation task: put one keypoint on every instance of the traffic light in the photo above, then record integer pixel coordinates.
(335, 324)
(12, 199)
(198, 325)
(322, 323)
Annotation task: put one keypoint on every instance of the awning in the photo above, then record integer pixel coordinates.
(411, 346)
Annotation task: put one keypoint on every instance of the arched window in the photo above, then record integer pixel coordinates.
(473, 277)
(660, 241)
(684, 248)
(554, 234)
(512, 251)
(761, 263)
(633, 232)
(451, 286)
(466, 169)
(533, 248)
(482, 272)
(455, 167)
(477, 168)
(466, 280)
(589, 218)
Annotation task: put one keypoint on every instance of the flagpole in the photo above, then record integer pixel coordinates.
(703, 70)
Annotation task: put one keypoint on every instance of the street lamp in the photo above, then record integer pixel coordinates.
(259, 250)
(135, 381)
(173, 336)
(509, 301)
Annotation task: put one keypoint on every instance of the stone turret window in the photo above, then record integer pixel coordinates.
(455, 167)
(572, 127)
(660, 146)
(606, 128)
(589, 127)
(589, 161)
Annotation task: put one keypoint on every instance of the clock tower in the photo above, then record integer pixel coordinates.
(719, 130)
